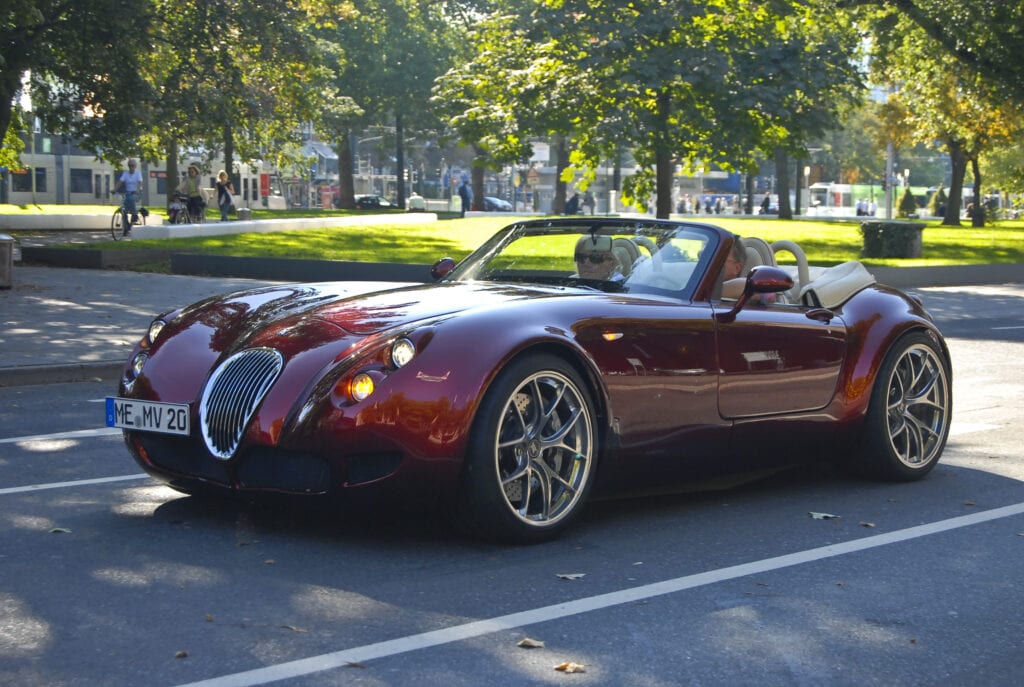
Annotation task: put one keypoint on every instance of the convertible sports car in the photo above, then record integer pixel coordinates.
(565, 359)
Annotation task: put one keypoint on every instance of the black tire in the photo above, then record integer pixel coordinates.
(911, 409)
(117, 225)
(531, 455)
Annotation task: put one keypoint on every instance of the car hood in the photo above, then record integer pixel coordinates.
(377, 311)
(357, 308)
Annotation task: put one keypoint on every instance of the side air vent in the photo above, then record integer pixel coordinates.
(232, 395)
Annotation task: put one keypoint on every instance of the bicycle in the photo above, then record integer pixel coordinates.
(178, 212)
(120, 218)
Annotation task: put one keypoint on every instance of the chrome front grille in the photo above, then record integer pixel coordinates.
(232, 395)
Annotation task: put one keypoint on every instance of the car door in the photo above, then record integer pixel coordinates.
(778, 359)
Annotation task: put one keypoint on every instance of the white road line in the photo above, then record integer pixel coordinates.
(75, 483)
(1017, 326)
(958, 428)
(78, 434)
(458, 633)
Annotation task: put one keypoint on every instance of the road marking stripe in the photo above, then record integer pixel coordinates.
(78, 434)
(425, 640)
(75, 483)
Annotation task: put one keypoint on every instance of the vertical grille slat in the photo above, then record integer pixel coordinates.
(232, 395)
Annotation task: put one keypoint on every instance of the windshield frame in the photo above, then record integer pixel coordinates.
(659, 236)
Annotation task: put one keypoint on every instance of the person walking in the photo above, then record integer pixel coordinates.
(225, 199)
(466, 196)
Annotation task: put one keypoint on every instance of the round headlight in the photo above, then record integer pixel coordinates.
(155, 328)
(402, 351)
(138, 362)
(360, 387)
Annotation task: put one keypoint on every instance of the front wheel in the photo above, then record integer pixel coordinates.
(531, 454)
(911, 408)
(117, 225)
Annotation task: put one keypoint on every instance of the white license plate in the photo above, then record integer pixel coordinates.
(148, 416)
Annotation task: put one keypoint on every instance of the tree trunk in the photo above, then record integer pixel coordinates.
(477, 178)
(978, 216)
(346, 180)
(172, 170)
(664, 166)
(782, 183)
(229, 160)
(958, 162)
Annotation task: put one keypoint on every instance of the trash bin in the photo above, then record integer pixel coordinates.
(6, 261)
(244, 214)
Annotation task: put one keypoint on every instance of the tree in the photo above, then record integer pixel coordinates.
(382, 67)
(56, 43)
(942, 100)
(678, 83)
(983, 35)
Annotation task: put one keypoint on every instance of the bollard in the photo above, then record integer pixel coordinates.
(244, 214)
(6, 261)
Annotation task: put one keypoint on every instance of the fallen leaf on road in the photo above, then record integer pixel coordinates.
(528, 643)
(571, 576)
(867, 524)
(295, 629)
(570, 667)
(823, 516)
(181, 654)
(60, 530)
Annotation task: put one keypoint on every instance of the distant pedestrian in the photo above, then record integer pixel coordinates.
(588, 202)
(466, 196)
(573, 206)
(225, 199)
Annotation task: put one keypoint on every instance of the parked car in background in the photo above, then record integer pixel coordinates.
(492, 204)
(373, 202)
(563, 359)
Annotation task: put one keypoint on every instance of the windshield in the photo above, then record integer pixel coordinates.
(627, 256)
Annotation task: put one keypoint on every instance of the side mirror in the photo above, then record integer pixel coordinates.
(762, 279)
(765, 279)
(442, 268)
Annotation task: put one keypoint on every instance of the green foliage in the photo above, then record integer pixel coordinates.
(58, 44)
(907, 205)
(937, 202)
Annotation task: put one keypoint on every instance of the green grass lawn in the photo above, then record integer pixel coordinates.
(825, 243)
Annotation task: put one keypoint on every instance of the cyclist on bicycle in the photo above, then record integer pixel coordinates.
(189, 187)
(130, 184)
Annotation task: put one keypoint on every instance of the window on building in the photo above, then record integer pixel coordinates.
(81, 180)
(21, 181)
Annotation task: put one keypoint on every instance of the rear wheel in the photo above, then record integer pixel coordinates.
(911, 407)
(530, 460)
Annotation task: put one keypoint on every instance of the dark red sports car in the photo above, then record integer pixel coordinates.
(562, 360)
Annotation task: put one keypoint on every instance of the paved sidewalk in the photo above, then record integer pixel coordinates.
(61, 325)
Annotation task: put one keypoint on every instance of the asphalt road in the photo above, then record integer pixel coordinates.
(108, 579)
